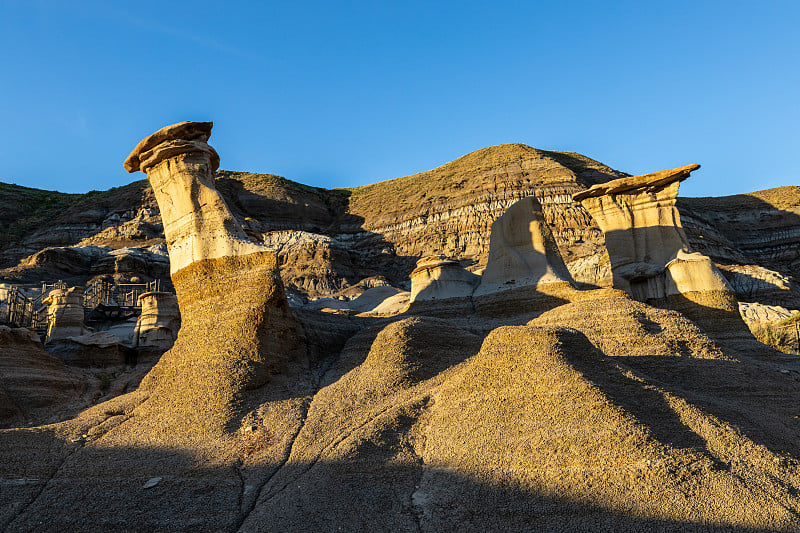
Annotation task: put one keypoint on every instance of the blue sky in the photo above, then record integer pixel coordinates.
(349, 93)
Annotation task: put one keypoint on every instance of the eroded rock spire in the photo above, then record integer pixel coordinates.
(650, 255)
(236, 326)
(180, 165)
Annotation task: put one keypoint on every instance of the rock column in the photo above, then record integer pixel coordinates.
(64, 313)
(159, 322)
(650, 254)
(525, 271)
(236, 326)
(180, 166)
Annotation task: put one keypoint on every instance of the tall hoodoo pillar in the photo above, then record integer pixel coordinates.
(650, 254)
(180, 166)
(236, 325)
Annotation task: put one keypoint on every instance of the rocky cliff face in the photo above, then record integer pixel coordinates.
(329, 240)
(450, 210)
(376, 230)
(760, 228)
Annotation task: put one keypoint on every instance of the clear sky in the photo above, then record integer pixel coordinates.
(348, 93)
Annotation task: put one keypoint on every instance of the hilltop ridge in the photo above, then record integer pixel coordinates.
(329, 240)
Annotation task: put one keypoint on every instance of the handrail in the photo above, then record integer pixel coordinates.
(21, 310)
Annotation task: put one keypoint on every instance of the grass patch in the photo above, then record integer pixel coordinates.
(781, 339)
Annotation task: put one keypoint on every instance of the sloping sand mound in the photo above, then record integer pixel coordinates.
(621, 326)
(612, 415)
(32, 382)
(237, 331)
(539, 430)
(540, 411)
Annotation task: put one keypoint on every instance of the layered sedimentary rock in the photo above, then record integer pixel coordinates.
(64, 313)
(158, 322)
(641, 226)
(649, 251)
(237, 329)
(449, 210)
(384, 228)
(99, 349)
(180, 166)
(758, 313)
(525, 270)
(32, 382)
(81, 263)
(439, 278)
(759, 228)
(753, 283)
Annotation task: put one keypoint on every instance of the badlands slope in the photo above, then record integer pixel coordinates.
(589, 412)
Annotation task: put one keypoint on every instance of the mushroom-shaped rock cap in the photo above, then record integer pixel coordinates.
(654, 179)
(433, 261)
(182, 131)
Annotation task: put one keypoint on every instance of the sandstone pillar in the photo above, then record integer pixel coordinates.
(180, 166)
(525, 271)
(650, 254)
(236, 326)
(439, 278)
(159, 321)
(64, 313)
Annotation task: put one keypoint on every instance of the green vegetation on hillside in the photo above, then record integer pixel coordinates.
(23, 209)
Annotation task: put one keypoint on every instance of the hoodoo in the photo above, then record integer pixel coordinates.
(180, 166)
(438, 278)
(64, 313)
(525, 270)
(237, 328)
(650, 255)
(159, 322)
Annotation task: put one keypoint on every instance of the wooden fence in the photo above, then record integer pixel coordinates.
(20, 310)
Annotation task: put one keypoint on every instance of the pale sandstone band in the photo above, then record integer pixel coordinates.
(180, 166)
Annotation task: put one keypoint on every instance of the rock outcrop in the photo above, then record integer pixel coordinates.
(32, 382)
(237, 329)
(522, 251)
(758, 313)
(650, 254)
(99, 349)
(159, 321)
(604, 413)
(439, 278)
(760, 228)
(753, 283)
(82, 263)
(64, 313)
(525, 271)
(450, 210)
(180, 167)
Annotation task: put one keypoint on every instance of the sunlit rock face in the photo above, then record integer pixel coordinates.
(159, 321)
(438, 278)
(522, 251)
(64, 313)
(180, 166)
(236, 326)
(525, 271)
(650, 254)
